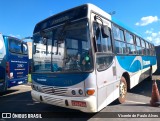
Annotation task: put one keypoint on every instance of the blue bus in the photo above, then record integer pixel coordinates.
(13, 62)
(84, 59)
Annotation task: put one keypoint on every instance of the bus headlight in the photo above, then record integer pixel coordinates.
(33, 87)
(80, 92)
(73, 92)
(37, 88)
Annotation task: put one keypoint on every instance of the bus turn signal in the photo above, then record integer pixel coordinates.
(90, 91)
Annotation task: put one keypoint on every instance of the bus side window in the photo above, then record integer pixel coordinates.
(130, 43)
(103, 61)
(96, 29)
(118, 35)
(103, 44)
(143, 47)
(106, 43)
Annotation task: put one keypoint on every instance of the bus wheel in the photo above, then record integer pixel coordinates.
(122, 90)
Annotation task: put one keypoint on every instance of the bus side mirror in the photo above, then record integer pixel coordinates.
(105, 31)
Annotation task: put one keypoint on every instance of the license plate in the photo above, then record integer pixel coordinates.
(79, 103)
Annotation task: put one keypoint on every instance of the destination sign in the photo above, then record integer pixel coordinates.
(69, 15)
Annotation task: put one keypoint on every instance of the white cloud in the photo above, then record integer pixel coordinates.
(149, 38)
(148, 32)
(154, 37)
(147, 20)
(154, 34)
(157, 41)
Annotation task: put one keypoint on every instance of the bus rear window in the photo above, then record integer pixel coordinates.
(14, 46)
(25, 49)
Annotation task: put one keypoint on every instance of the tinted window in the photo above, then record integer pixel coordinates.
(14, 46)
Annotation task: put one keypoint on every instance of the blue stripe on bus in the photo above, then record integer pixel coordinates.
(62, 80)
(135, 63)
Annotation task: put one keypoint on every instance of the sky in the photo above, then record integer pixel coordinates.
(19, 17)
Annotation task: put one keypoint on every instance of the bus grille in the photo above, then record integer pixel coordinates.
(59, 91)
(54, 101)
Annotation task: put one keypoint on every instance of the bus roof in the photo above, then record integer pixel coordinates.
(119, 23)
(90, 7)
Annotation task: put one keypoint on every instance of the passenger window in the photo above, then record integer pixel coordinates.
(96, 29)
(122, 35)
(106, 44)
(120, 47)
(103, 44)
(138, 41)
(142, 43)
(131, 49)
(116, 33)
(139, 50)
(129, 38)
(147, 49)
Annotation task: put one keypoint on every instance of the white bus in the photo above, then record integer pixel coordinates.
(101, 59)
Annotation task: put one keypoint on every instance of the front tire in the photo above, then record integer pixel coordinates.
(122, 90)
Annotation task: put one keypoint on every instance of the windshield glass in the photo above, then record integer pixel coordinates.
(64, 48)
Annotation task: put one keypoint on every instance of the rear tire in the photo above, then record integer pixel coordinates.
(122, 90)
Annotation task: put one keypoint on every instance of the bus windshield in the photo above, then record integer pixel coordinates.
(64, 48)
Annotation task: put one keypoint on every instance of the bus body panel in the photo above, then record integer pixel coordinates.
(108, 86)
(13, 66)
(2, 64)
(138, 67)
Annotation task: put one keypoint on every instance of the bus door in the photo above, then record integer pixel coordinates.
(105, 63)
(2, 64)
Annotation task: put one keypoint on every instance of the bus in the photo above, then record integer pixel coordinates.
(13, 62)
(84, 59)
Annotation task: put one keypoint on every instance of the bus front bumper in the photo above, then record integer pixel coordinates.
(84, 104)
